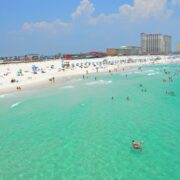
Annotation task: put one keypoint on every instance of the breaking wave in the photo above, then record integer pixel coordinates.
(15, 104)
(152, 74)
(68, 87)
(100, 82)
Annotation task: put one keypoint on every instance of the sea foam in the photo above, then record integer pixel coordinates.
(100, 82)
(2, 96)
(5, 95)
(152, 74)
(68, 87)
(15, 104)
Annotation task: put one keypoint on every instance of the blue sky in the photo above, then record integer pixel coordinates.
(52, 26)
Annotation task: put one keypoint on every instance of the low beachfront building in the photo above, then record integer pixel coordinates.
(124, 51)
(112, 52)
(89, 55)
(129, 50)
(32, 57)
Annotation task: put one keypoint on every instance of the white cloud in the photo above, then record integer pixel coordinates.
(52, 27)
(139, 10)
(144, 9)
(175, 2)
(104, 18)
(85, 9)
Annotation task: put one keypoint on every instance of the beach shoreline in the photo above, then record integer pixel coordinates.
(29, 80)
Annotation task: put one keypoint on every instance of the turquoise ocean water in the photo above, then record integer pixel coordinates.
(75, 130)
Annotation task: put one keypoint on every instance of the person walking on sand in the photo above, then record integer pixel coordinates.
(18, 88)
(53, 79)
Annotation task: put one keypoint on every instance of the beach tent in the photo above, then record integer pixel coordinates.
(34, 69)
(20, 72)
(52, 66)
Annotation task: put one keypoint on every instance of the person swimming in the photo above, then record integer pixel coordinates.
(137, 145)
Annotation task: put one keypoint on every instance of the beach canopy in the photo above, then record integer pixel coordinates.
(34, 68)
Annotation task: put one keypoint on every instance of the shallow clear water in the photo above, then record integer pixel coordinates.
(76, 131)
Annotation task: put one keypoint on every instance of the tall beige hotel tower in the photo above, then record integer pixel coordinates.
(155, 43)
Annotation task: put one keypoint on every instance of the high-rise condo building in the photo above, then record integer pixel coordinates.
(155, 43)
(178, 47)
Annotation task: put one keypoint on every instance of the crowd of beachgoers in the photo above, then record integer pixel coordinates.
(19, 76)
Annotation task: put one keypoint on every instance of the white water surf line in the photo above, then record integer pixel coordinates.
(16, 104)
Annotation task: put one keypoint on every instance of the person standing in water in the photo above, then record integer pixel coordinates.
(137, 145)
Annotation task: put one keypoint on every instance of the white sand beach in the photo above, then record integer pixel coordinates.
(34, 73)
